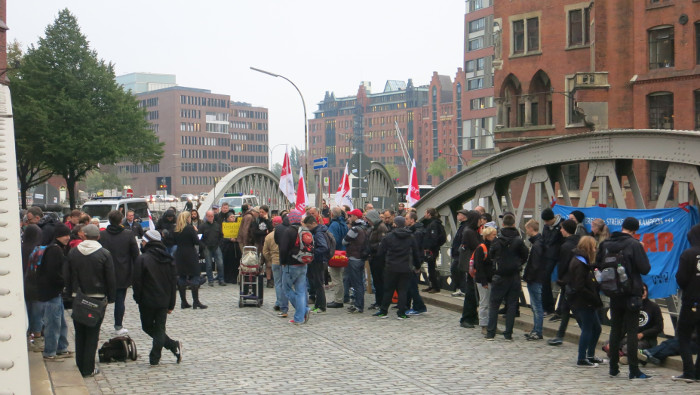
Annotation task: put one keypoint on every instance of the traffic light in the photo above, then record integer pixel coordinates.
(439, 152)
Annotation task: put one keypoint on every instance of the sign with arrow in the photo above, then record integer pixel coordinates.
(320, 163)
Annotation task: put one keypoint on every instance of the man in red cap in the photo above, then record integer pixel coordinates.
(355, 242)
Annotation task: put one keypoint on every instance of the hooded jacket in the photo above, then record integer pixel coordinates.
(470, 238)
(92, 270)
(553, 239)
(166, 227)
(536, 269)
(418, 233)
(379, 231)
(581, 282)
(30, 239)
(688, 275)
(155, 277)
(339, 228)
(457, 240)
(320, 245)
(245, 232)
(483, 264)
(565, 254)
(430, 240)
(121, 243)
(635, 257)
(47, 224)
(508, 251)
(354, 240)
(286, 238)
(399, 251)
(50, 281)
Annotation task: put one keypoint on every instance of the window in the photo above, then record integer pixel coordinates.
(579, 26)
(525, 36)
(572, 176)
(657, 175)
(661, 47)
(476, 5)
(476, 43)
(480, 63)
(697, 110)
(470, 66)
(476, 25)
(697, 42)
(475, 83)
(661, 110)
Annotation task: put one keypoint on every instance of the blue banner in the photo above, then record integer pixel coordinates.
(663, 232)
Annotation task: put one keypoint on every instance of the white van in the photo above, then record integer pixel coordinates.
(100, 208)
(235, 201)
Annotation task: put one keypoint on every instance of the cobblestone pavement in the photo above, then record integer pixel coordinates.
(228, 349)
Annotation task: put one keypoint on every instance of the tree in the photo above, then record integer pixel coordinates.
(393, 172)
(29, 119)
(438, 168)
(89, 119)
(106, 178)
(276, 169)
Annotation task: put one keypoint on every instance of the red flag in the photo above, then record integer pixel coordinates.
(413, 191)
(342, 197)
(286, 179)
(302, 197)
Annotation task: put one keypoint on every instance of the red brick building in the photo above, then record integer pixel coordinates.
(3, 41)
(570, 67)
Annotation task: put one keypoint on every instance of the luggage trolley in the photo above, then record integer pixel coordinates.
(251, 278)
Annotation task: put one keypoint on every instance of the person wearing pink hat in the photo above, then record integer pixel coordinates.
(355, 243)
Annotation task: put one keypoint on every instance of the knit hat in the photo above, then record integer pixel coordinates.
(569, 226)
(372, 216)
(355, 212)
(91, 230)
(491, 225)
(547, 214)
(579, 215)
(276, 220)
(294, 216)
(630, 223)
(61, 230)
(399, 221)
(152, 235)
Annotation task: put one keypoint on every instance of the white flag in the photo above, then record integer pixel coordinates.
(286, 179)
(302, 197)
(342, 197)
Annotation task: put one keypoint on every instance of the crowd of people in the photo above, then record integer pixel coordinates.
(564, 266)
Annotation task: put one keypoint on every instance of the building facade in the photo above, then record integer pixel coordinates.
(205, 136)
(572, 67)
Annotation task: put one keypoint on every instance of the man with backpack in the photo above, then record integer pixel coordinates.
(688, 279)
(319, 264)
(356, 242)
(434, 238)
(376, 262)
(155, 287)
(293, 242)
(508, 254)
(622, 261)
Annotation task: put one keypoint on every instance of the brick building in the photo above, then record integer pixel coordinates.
(571, 67)
(206, 135)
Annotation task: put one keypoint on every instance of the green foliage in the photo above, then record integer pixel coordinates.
(392, 170)
(438, 168)
(86, 118)
(106, 178)
(277, 169)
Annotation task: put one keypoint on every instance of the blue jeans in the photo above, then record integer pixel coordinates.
(535, 291)
(171, 250)
(355, 272)
(590, 332)
(35, 312)
(55, 328)
(119, 308)
(295, 288)
(282, 302)
(215, 255)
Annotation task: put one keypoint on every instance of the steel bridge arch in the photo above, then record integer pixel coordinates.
(381, 190)
(262, 182)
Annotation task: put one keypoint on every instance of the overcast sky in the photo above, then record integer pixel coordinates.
(321, 45)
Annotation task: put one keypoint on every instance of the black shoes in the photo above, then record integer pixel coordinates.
(334, 305)
(465, 324)
(197, 305)
(185, 305)
(178, 352)
(585, 363)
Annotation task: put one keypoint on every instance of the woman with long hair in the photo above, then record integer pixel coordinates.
(599, 230)
(484, 273)
(582, 293)
(187, 260)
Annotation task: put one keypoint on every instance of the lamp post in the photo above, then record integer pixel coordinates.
(272, 149)
(303, 103)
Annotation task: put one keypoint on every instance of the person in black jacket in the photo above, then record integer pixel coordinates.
(457, 273)
(469, 241)
(582, 293)
(624, 309)
(121, 243)
(318, 266)
(187, 261)
(401, 256)
(155, 287)
(508, 253)
(211, 244)
(568, 230)
(431, 247)
(49, 285)
(133, 225)
(688, 279)
(92, 273)
(376, 262)
(535, 276)
(484, 274)
(412, 294)
(553, 239)
(166, 227)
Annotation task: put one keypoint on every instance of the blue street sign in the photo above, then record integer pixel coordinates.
(320, 163)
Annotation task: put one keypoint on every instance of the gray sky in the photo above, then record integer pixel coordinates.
(320, 45)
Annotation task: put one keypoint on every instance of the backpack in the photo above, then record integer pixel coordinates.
(330, 239)
(365, 247)
(118, 349)
(303, 250)
(507, 263)
(472, 267)
(609, 274)
(31, 289)
(441, 235)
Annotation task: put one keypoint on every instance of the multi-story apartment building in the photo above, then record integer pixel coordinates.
(206, 135)
(575, 66)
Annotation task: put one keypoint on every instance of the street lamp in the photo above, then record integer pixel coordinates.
(303, 103)
(272, 149)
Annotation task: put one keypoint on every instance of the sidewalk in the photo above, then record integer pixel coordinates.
(445, 300)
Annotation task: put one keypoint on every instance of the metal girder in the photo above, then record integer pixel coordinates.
(684, 175)
(660, 145)
(262, 182)
(381, 191)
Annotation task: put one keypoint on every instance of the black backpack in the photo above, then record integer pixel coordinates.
(609, 274)
(441, 235)
(507, 263)
(31, 288)
(118, 349)
(330, 239)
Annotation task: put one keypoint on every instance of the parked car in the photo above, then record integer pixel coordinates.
(235, 202)
(187, 196)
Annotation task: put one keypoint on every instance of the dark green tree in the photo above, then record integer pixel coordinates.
(438, 168)
(89, 119)
(277, 169)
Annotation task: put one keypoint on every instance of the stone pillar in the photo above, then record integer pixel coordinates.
(528, 110)
(500, 121)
